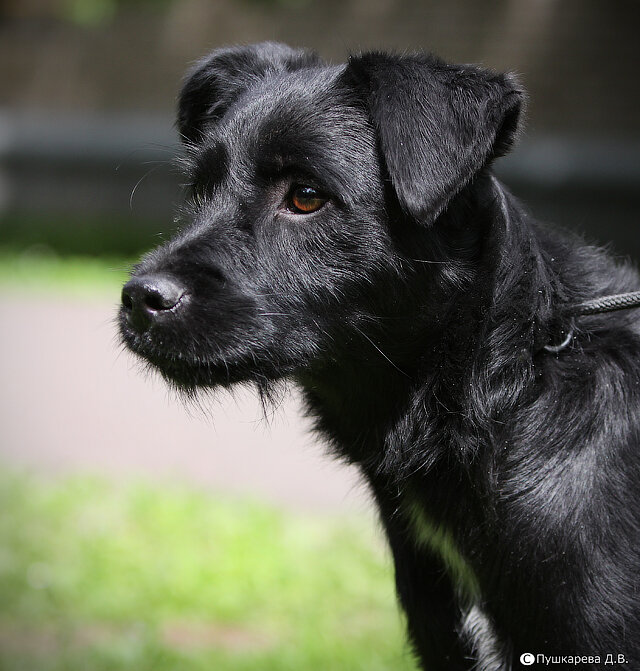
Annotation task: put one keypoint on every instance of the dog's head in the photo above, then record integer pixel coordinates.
(313, 190)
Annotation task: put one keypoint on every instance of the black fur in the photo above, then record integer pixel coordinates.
(413, 310)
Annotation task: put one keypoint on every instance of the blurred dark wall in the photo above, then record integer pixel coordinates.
(578, 58)
(87, 93)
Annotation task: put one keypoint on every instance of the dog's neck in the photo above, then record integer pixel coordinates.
(448, 357)
(427, 354)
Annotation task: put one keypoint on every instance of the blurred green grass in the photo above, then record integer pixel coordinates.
(71, 256)
(98, 575)
(40, 270)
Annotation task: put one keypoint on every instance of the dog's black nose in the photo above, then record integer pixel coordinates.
(146, 297)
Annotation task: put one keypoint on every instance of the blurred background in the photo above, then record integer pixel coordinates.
(135, 532)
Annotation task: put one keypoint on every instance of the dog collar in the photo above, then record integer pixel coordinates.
(597, 306)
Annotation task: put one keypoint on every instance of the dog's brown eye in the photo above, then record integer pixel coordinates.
(305, 199)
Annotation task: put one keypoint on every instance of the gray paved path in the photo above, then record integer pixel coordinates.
(71, 401)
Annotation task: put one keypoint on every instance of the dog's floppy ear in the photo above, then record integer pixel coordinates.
(212, 85)
(437, 124)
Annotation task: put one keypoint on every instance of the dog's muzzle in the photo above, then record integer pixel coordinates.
(149, 298)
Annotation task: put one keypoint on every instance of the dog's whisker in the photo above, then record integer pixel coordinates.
(135, 188)
(366, 337)
(158, 147)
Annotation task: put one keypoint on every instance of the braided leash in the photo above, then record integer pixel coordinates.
(594, 307)
(607, 304)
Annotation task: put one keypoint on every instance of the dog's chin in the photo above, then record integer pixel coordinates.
(189, 375)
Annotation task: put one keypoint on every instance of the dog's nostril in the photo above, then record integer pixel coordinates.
(156, 301)
(147, 296)
(163, 296)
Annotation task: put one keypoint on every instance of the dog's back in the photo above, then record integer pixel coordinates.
(345, 231)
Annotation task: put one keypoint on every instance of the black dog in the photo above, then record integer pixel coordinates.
(345, 231)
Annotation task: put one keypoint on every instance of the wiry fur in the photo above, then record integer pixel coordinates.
(413, 311)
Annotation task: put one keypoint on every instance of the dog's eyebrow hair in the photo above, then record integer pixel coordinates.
(282, 154)
(297, 162)
(290, 160)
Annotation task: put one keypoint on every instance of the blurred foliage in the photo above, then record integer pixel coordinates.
(291, 4)
(39, 270)
(96, 235)
(143, 577)
(95, 12)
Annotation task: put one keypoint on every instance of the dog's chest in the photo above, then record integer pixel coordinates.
(476, 627)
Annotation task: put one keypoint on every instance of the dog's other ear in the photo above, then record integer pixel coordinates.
(437, 124)
(212, 85)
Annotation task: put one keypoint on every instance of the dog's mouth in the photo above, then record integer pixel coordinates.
(189, 359)
(175, 365)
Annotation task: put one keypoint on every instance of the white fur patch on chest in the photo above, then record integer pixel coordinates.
(476, 628)
(490, 652)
